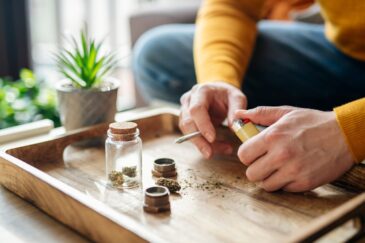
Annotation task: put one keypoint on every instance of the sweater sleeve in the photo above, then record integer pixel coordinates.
(224, 39)
(351, 118)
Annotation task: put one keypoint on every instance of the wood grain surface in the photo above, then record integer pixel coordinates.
(68, 182)
(21, 221)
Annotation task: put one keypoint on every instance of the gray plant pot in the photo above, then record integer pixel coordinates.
(84, 107)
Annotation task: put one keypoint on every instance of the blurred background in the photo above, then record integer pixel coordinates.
(51, 22)
(32, 32)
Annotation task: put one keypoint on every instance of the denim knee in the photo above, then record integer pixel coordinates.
(146, 51)
(156, 61)
(147, 66)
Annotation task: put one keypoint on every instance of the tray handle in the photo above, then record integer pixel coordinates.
(95, 131)
(53, 148)
(354, 209)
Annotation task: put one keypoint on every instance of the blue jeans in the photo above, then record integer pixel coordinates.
(292, 64)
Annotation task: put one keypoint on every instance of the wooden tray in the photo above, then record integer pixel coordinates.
(68, 183)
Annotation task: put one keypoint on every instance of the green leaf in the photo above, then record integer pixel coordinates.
(96, 68)
(84, 43)
(75, 79)
(107, 69)
(71, 58)
(28, 77)
(92, 57)
(18, 101)
(64, 61)
(83, 64)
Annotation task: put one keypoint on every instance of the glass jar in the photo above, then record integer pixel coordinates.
(123, 151)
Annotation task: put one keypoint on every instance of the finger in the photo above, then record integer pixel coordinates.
(235, 102)
(187, 125)
(199, 106)
(200, 142)
(301, 185)
(276, 181)
(185, 98)
(262, 168)
(203, 146)
(294, 187)
(184, 114)
(264, 115)
(252, 149)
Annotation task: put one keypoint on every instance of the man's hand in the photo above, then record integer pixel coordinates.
(206, 106)
(301, 150)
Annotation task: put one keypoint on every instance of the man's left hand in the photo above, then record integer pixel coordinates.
(299, 151)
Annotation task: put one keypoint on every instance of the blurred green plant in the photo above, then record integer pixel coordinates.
(26, 100)
(83, 64)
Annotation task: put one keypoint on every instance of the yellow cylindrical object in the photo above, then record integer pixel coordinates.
(244, 129)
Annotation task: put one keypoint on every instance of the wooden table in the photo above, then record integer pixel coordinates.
(22, 222)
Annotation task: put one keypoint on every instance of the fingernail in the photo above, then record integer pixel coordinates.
(241, 111)
(206, 152)
(209, 137)
(238, 112)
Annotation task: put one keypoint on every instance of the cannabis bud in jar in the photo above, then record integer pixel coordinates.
(123, 151)
(116, 178)
(130, 171)
(171, 184)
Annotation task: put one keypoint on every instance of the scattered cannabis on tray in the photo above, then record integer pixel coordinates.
(171, 184)
(212, 184)
(208, 185)
(130, 171)
(116, 177)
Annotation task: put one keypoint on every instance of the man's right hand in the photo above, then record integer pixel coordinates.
(206, 106)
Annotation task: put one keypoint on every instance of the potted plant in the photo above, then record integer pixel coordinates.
(86, 96)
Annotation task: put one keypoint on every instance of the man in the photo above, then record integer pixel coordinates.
(239, 63)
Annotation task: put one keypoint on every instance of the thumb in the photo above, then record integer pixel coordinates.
(264, 115)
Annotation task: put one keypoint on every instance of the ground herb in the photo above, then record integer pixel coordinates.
(116, 178)
(130, 171)
(209, 185)
(213, 184)
(171, 184)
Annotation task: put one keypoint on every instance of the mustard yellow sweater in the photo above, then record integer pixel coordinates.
(225, 36)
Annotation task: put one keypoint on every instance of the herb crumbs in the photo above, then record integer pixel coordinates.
(116, 178)
(171, 184)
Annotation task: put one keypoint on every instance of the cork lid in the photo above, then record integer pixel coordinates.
(123, 127)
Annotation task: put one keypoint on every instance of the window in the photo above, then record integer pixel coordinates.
(52, 22)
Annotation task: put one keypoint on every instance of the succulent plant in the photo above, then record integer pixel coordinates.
(83, 64)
